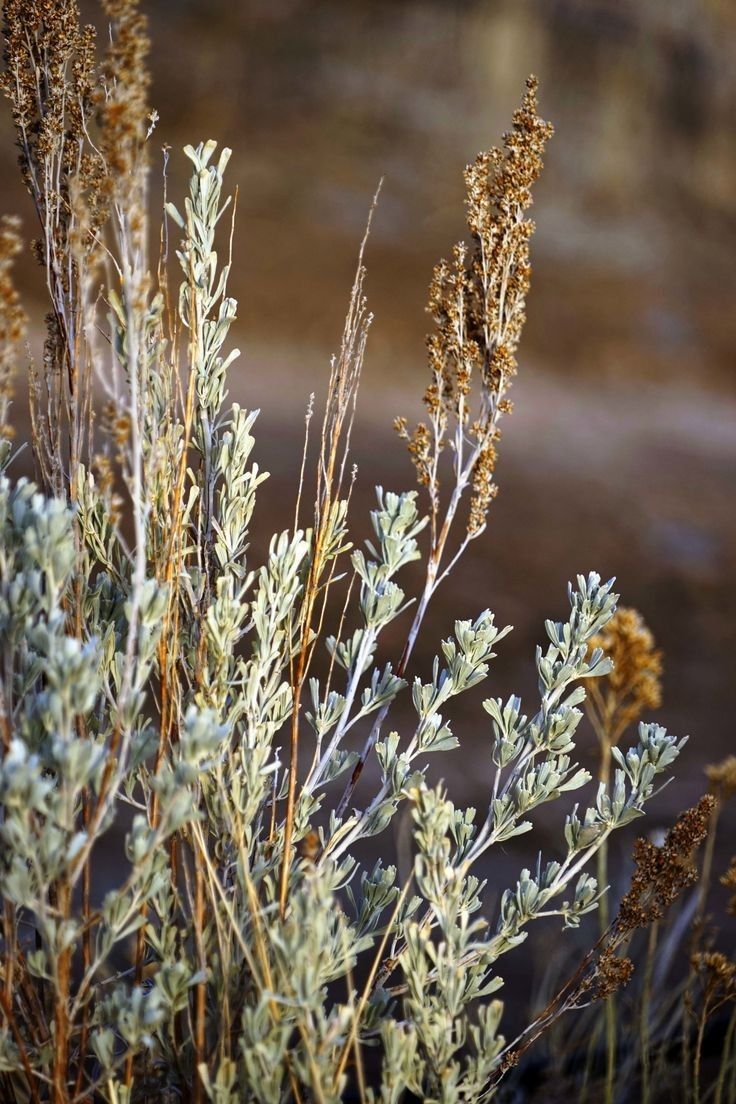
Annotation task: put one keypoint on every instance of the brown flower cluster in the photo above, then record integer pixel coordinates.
(125, 116)
(79, 129)
(499, 186)
(477, 301)
(78, 126)
(722, 778)
(12, 317)
(51, 81)
(729, 880)
(634, 684)
(613, 972)
(662, 873)
(485, 488)
(716, 976)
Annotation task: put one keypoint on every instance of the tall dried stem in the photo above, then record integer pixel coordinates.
(342, 393)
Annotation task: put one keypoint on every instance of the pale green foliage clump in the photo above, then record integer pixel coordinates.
(246, 952)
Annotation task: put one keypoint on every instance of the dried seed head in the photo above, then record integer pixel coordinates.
(729, 880)
(634, 683)
(662, 873)
(12, 318)
(716, 976)
(80, 132)
(53, 116)
(484, 489)
(125, 116)
(722, 778)
(477, 303)
(613, 973)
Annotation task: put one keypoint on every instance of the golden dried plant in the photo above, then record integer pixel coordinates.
(78, 128)
(615, 702)
(477, 302)
(722, 778)
(633, 684)
(12, 319)
(729, 881)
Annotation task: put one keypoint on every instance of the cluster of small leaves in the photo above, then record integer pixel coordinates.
(396, 524)
(447, 955)
(68, 708)
(467, 657)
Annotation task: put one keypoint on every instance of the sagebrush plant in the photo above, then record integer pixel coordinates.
(151, 673)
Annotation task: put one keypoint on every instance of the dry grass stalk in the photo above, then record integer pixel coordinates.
(328, 533)
(12, 321)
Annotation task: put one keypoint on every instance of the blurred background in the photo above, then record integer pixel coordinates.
(621, 453)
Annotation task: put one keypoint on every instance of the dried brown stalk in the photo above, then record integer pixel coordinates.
(50, 79)
(12, 318)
